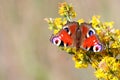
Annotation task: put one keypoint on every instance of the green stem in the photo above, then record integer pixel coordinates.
(68, 18)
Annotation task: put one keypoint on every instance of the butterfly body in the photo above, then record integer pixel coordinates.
(80, 36)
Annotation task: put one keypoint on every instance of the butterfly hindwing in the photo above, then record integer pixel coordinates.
(89, 41)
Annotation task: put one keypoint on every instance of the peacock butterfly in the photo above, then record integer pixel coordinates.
(81, 36)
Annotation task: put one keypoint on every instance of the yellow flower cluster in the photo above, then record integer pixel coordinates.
(108, 69)
(95, 21)
(56, 24)
(80, 21)
(80, 59)
(66, 11)
(116, 42)
(105, 62)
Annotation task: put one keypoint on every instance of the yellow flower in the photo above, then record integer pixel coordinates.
(67, 11)
(106, 39)
(115, 78)
(99, 74)
(80, 21)
(95, 21)
(109, 67)
(73, 14)
(62, 11)
(116, 66)
(79, 59)
(58, 22)
(115, 44)
(78, 56)
(80, 64)
(56, 31)
(64, 21)
(108, 24)
(117, 32)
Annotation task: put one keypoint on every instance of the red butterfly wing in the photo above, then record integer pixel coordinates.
(65, 36)
(89, 40)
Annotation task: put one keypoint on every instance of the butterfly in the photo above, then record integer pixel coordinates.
(81, 36)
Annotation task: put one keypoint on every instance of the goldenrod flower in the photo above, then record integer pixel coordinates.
(115, 44)
(67, 11)
(95, 21)
(108, 24)
(56, 24)
(99, 74)
(108, 69)
(80, 64)
(80, 60)
(117, 32)
(80, 21)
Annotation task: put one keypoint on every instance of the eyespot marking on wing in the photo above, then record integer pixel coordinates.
(97, 48)
(90, 32)
(67, 29)
(56, 40)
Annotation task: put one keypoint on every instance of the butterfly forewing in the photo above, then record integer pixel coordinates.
(66, 36)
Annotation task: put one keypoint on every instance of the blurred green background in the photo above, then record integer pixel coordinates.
(25, 50)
